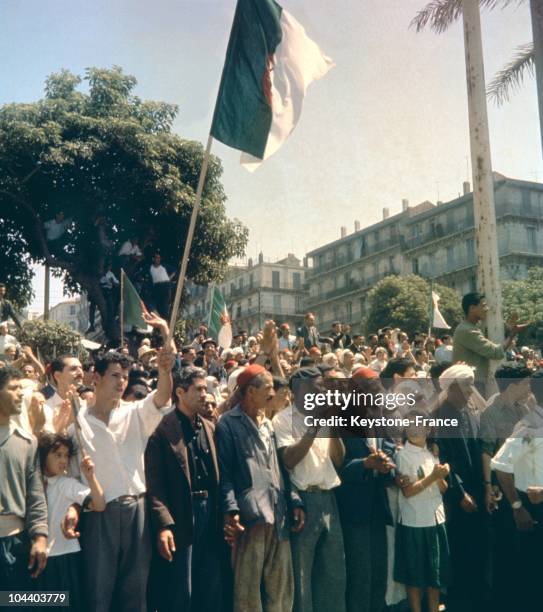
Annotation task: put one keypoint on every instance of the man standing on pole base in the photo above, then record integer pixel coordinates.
(470, 345)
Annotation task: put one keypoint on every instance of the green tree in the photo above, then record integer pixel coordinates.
(49, 339)
(111, 163)
(404, 302)
(525, 298)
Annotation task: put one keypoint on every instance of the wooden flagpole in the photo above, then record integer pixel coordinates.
(121, 308)
(188, 242)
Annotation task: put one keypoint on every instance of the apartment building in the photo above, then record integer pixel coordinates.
(436, 241)
(255, 292)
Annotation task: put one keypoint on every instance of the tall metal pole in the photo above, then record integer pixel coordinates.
(486, 238)
(46, 290)
(121, 308)
(536, 10)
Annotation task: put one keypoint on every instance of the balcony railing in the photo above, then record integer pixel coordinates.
(439, 231)
(235, 292)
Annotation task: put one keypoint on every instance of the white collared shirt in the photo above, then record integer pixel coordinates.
(61, 492)
(51, 408)
(316, 469)
(426, 508)
(117, 448)
(522, 453)
(159, 274)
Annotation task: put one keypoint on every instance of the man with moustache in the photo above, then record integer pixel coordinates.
(182, 477)
(67, 374)
(254, 499)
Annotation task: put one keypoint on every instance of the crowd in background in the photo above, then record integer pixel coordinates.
(185, 477)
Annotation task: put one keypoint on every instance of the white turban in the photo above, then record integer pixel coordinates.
(456, 373)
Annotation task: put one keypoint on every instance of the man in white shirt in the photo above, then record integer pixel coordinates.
(519, 468)
(311, 460)
(67, 374)
(161, 279)
(55, 228)
(116, 542)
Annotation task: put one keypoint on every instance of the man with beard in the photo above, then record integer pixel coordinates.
(23, 511)
(467, 524)
(182, 487)
(254, 499)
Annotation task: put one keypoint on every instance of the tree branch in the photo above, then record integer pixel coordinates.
(510, 77)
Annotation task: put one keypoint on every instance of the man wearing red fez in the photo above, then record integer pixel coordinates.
(254, 499)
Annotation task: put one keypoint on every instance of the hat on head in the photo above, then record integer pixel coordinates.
(250, 372)
(315, 350)
(209, 341)
(145, 350)
(364, 373)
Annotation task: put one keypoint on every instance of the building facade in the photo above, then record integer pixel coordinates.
(434, 241)
(254, 293)
(71, 312)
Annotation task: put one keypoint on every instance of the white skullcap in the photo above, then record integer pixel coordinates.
(455, 373)
(233, 379)
(237, 350)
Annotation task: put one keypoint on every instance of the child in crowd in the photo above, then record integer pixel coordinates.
(62, 572)
(422, 550)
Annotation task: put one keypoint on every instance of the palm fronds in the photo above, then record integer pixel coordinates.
(440, 14)
(510, 77)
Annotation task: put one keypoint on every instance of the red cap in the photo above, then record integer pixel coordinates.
(249, 373)
(315, 350)
(230, 363)
(364, 373)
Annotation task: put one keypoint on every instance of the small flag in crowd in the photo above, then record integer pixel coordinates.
(219, 321)
(270, 63)
(134, 306)
(438, 320)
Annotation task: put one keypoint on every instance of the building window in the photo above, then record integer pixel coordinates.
(240, 282)
(72, 311)
(249, 302)
(470, 248)
(296, 280)
(276, 303)
(251, 280)
(299, 303)
(415, 266)
(319, 290)
(450, 258)
(348, 311)
(276, 279)
(532, 239)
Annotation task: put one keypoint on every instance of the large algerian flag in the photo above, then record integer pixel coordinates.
(270, 62)
(133, 305)
(219, 321)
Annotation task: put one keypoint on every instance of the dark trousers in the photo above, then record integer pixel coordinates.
(161, 298)
(116, 548)
(527, 559)
(503, 539)
(366, 559)
(64, 573)
(14, 553)
(469, 540)
(191, 582)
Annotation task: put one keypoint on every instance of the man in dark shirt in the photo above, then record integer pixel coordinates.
(182, 485)
(6, 308)
(467, 520)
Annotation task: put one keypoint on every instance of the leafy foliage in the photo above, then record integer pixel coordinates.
(510, 77)
(50, 339)
(111, 163)
(525, 298)
(404, 302)
(15, 270)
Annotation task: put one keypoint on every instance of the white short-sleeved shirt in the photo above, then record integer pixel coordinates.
(61, 492)
(117, 448)
(129, 249)
(159, 274)
(522, 453)
(425, 509)
(316, 469)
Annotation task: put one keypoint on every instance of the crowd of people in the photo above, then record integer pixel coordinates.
(187, 478)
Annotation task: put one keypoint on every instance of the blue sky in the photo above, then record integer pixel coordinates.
(388, 122)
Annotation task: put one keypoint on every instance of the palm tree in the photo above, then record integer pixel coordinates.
(440, 14)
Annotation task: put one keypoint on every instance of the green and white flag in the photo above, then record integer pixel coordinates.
(134, 306)
(219, 326)
(270, 63)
